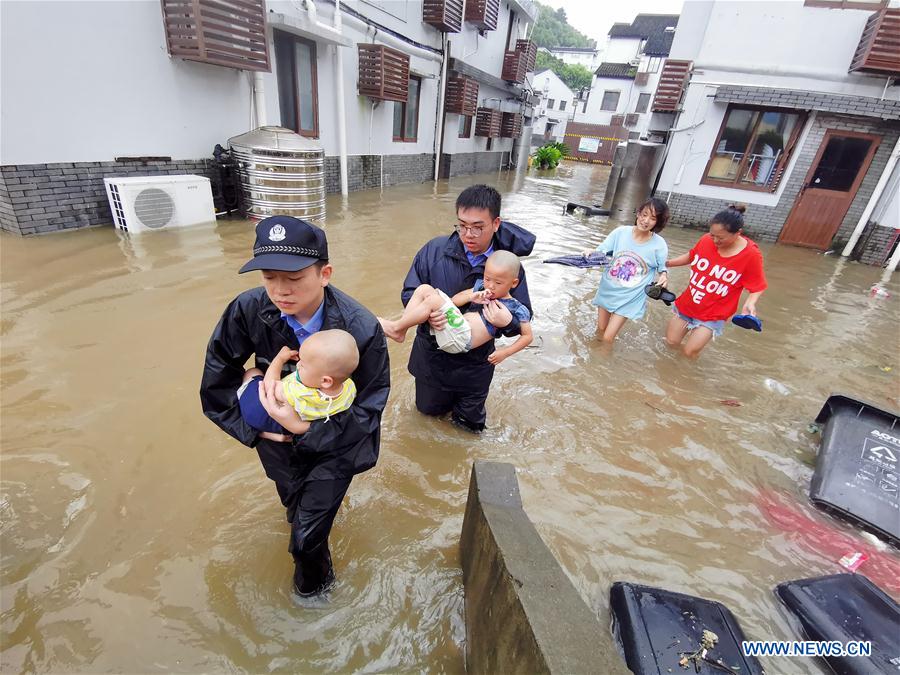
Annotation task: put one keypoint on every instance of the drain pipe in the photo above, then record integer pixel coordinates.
(341, 109)
(873, 200)
(442, 88)
(259, 99)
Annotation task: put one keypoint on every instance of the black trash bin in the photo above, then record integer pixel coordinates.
(653, 627)
(845, 608)
(858, 465)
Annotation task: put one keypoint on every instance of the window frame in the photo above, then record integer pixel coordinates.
(403, 138)
(783, 161)
(467, 127)
(550, 103)
(637, 106)
(295, 85)
(618, 93)
(562, 105)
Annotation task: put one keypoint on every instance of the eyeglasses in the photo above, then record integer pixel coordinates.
(474, 231)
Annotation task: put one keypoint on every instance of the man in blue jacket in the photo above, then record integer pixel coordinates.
(459, 383)
(311, 471)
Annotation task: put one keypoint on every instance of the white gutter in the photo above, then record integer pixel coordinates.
(341, 108)
(873, 200)
(439, 131)
(259, 99)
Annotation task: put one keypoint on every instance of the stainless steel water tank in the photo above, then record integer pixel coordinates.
(281, 172)
(639, 168)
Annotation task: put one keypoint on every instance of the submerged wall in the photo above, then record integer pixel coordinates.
(523, 615)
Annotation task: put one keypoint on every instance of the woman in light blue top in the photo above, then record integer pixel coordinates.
(638, 254)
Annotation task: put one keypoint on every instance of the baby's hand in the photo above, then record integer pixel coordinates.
(481, 297)
(288, 354)
(496, 357)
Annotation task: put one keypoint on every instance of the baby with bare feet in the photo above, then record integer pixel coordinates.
(464, 332)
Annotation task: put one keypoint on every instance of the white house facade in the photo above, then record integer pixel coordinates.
(581, 56)
(625, 81)
(105, 92)
(793, 109)
(554, 109)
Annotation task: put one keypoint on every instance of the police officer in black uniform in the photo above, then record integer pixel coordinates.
(311, 471)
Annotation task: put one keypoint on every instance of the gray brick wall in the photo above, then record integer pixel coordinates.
(876, 244)
(365, 172)
(465, 163)
(39, 198)
(809, 100)
(766, 222)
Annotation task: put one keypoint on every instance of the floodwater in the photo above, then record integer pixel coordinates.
(137, 537)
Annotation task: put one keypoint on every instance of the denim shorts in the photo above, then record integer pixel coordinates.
(715, 326)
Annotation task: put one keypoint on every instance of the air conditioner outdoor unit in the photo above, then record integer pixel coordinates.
(146, 203)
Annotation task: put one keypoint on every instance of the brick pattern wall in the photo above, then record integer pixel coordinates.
(365, 172)
(39, 198)
(466, 163)
(766, 222)
(810, 100)
(876, 244)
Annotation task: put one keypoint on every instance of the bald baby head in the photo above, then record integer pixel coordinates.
(332, 352)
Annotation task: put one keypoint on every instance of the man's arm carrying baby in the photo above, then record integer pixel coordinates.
(273, 389)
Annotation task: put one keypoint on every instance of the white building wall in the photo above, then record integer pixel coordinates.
(804, 49)
(622, 50)
(547, 85)
(108, 88)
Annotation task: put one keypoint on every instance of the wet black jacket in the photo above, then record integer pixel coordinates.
(442, 263)
(346, 444)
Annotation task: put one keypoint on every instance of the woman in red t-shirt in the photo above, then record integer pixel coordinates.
(723, 263)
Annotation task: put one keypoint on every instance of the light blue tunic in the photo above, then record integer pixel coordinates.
(633, 267)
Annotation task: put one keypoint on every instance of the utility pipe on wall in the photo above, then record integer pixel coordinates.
(259, 99)
(439, 130)
(341, 108)
(873, 200)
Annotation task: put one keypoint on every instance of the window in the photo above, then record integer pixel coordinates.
(550, 103)
(653, 64)
(562, 105)
(753, 148)
(406, 115)
(642, 103)
(298, 98)
(465, 126)
(610, 100)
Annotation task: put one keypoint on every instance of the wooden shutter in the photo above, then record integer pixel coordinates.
(383, 73)
(617, 120)
(528, 49)
(641, 79)
(631, 119)
(462, 95)
(445, 15)
(514, 67)
(483, 13)
(487, 122)
(879, 47)
(511, 125)
(671, 85)
(228, 33)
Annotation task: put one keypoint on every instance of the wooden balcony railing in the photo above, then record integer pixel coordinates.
(383, 73)
(462, 95)
(228, 33)
(672, 81)
(878, 51)
(445, 15)
(487, 122)
(483, 13)
(514, 67)
(529, 50)
(511, 125)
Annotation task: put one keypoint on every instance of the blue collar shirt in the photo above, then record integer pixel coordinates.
(304, 330)
(476, 259)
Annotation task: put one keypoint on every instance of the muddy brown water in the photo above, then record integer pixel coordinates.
(137, 537)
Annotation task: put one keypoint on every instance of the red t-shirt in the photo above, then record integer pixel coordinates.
(716, 282)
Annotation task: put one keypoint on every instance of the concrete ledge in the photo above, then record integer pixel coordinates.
(523, 615)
